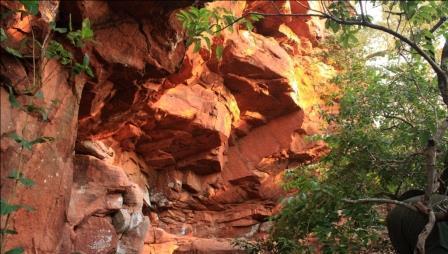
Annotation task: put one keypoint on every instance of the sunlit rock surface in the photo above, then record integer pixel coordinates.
(166, 150)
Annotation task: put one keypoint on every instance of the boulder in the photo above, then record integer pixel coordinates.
(96, 236)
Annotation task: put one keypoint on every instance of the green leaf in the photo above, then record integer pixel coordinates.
(218, 51)
(43, 139)
(18, 250)
(53, 27)
(89, 71)
(3, 35)
(256, 17)
(84, 67)
(18, 176)
(12, 98)
(13, 52)
(330, 24)
(77, 68)
(85, 60)
(55, 102)
(57, 51)
(75, 38)
(32, 6)
(248, 25)
(229, 19)
(21, 141)
(7, 232)
(14, 174)
(31, 108)
(208, 42)
(6, 208)
(197, 45)
(28, 208)
(39, 94)
(26, 181)
(86, 30)
(29, 144)
(79, 37)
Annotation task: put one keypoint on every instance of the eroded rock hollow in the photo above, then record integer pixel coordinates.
(165, 150)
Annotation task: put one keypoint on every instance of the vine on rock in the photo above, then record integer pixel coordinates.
(50, 49)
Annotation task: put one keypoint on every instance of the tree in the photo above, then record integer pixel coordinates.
(395, 122)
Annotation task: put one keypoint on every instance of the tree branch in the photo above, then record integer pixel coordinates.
(420, 247)
(401, 119)
(380, 201)
(431, 156)
(394, 13)
(413, 45)
(442, 81)
(439, 71)
(438, 24)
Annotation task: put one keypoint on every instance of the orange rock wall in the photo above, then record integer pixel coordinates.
(175, 151)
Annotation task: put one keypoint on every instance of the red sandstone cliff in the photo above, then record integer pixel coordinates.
(165, 150)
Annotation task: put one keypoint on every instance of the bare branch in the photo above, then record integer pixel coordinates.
(420, 247)
(438, 69)
(401, 119)
(442, 81)
(362, 11)
(380, 201)
(289, 14)
(438, 24)
(380, 53)
(394, 13)
(413, 45)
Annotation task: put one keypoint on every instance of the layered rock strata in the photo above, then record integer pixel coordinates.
(165, 150)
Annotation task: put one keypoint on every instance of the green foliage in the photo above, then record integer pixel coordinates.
(84, 67)
(417, 16)
(12, 98)
(54, 50)
(6, 208)
(31, 108)
(18, 250)
(3, 35)
(386, 117)
(79, 37)
(32, 6)
(8, 232)
(28, 144)
(269, 246)
(318, 211)
(19, 177)
(13, 52)
(57, 51)
(53, 27)
(387, 113)
(202, 24)
(219, 50)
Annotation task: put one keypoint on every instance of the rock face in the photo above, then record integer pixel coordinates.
(171, 151)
